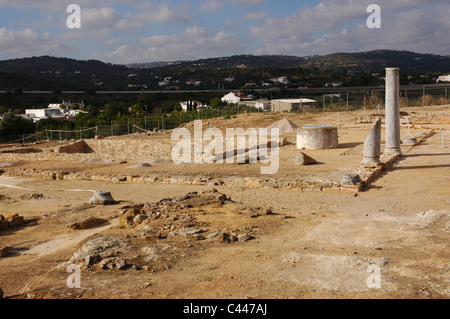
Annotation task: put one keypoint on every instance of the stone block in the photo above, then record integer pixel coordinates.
(303, 159)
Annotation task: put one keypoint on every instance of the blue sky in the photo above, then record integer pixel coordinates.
(120, 31)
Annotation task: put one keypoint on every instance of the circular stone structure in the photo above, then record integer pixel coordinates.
(317, 137)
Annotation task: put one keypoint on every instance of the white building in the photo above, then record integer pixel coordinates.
(57, 110)
(287, 105)
(163, 83)
(261, 104)
(235, 97)
(282, 80)
(443, 78)
(38, 114)
(196, 105)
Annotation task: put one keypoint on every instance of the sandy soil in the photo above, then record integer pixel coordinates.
(312, 245)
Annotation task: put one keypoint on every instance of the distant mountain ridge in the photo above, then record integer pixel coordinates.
(359, 62)
(52, 73)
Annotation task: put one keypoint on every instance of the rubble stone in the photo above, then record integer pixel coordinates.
(303, 159)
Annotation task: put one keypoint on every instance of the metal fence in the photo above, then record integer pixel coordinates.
(328, 100)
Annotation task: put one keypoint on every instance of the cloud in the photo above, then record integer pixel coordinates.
(210, 6)
(246, 2)
(153, 13)
(194, 43)
(255, 16)
(106, 18)
(340, 26)
(28, 42)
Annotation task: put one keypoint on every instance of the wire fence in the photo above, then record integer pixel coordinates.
(326, 101)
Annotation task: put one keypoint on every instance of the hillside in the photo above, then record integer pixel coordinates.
(360, 62)
(250, 61)
(64, 73)
(352, 69)
(378, 60)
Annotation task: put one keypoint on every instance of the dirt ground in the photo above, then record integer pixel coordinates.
(388, 241)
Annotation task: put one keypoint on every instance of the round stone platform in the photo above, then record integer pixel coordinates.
(317, 137)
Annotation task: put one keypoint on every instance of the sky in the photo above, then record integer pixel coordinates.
(138, 31)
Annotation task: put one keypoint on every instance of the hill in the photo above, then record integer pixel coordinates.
(408, 62)
(64, 73)
(244, 71)
(359, 62)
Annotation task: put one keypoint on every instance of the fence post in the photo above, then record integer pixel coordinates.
(323, 102)
(112, 129)
(424, 95)
(442, 129)
(347, 101)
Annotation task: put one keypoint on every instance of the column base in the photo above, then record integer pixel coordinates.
(393, 151)
(371, 162)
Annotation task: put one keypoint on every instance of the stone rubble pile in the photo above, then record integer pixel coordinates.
(173, 219)
(11, 221)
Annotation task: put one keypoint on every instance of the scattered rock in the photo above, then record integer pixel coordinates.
(380, 261)
(284, 142)
(92, 260)
(77, 147)
(102, 198)
(1, 293)
(213, 235)
(4, 252)
(3, 223)
(14, 220)
(91, 222)
(244, 237)
(227, 238)
(292, 257)
(351, 180)
(32, 196)
(425, 219)
(139, 218)
(303, 159)
(104, 247)
(188, 232)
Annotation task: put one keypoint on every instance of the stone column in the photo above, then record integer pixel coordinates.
(372, 146)
(392, 145)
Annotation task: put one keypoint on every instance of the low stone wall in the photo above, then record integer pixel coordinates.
(367, 174)
(252, 182)
(129, 147)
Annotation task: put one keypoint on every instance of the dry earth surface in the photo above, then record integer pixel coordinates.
(222, 242)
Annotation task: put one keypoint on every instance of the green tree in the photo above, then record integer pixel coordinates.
(216, 102)
(12, 125)
(116, 110)
(169, 106)
(145, 102)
